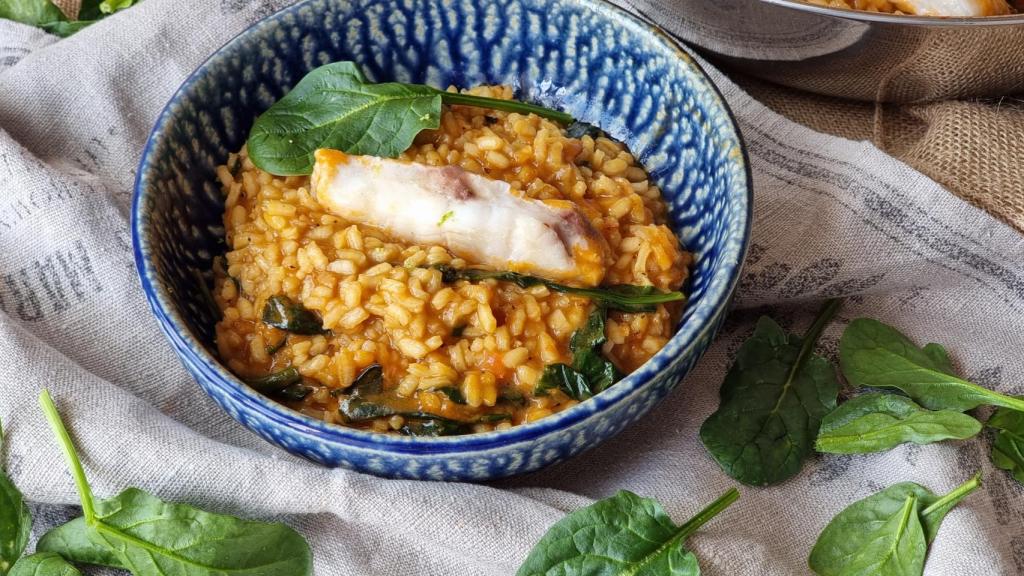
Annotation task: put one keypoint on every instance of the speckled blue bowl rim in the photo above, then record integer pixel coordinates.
(218, 375)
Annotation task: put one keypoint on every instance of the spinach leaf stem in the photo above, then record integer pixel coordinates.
(505, 106)
(57, 425)
(709, 512)
(957, 494)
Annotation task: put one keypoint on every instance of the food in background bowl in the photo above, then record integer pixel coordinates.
(951, 8)
(501, 269)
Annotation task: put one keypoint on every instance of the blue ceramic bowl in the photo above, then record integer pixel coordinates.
(582, 56)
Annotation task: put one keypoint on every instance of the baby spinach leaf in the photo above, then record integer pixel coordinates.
(433, 427)
(886, 533)
(46, 15)
(623, 297)
(585, 344)
(876, 355)
(334, 106)
(1008, 443)
(286, 314)
(590, 372)
(875, 422)
(369, 381)
(44, 564)
(111, 6)
(357, 408)
(75, 540)
(148, 536)
(623, 534)
(276, 381)
(493, 417)
(275, 348)
(884, 538)
(512, 395)
(580, 129)
(564, 378)
(39, 13)
(295, 392)
(773, 400)
(15, 520)
(453, 394)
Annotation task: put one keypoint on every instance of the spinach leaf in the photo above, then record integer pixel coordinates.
(512, 395)
(623, 297)
(46, 15)
(585, 344)
(275, 348)
(773, 400)
(590, 372)
(883, 539)
(874, 354)
(564, 378)
(1008, 443)
(493, 417)
(38, 13)
(334, 106)
(284, 313)
(369, 381)
(357, 409)
(295, 392)
(275, 382)
(623, 534)
(433, 427)
(15, 520)
(75, 540)
(453, 394)
(44, 564)
(580, 129)
(111, 6)
(146, 535)
(886, 533)
(875, 422)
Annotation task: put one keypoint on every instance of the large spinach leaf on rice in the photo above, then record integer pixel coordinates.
(335, 106)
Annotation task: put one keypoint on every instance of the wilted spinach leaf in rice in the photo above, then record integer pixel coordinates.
(438, 292)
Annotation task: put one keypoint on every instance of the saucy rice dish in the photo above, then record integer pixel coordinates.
(446, 291)
(952, 8)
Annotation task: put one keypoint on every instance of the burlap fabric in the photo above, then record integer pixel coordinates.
(974, 148)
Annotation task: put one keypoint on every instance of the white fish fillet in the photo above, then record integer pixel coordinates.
(474, 217)
(953, 7)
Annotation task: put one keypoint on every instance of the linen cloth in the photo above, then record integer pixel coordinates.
(832, 217)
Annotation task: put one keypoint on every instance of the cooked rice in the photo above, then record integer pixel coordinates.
(384, 305)
(901, 6)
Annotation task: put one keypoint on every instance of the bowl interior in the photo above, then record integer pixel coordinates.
(584, 57)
